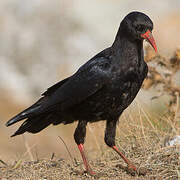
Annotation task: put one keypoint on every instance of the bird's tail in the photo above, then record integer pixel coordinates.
(35, 124)
(37, 118)
(27, 113)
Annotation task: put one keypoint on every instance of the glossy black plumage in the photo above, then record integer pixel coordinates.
(100, 90)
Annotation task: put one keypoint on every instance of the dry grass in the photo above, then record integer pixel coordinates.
(141, 141)
(141, 135)
(161, 164)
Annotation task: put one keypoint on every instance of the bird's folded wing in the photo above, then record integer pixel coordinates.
(53, 88)
(79, 87)
(89, 79)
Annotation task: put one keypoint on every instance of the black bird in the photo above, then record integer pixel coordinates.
(101, 89)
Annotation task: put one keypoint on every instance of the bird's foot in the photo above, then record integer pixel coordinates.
(131, 166)
(129, 169)
(90, 172)
(132, 170)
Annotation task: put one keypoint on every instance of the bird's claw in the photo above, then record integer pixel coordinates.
(131, 169)
(90, 172)
(131, 166)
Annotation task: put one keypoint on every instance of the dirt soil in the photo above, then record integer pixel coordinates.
(152, 158)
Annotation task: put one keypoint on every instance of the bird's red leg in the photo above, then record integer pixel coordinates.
(130, 165)
(88, 168)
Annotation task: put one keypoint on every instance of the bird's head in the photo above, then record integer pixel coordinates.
(138, 26)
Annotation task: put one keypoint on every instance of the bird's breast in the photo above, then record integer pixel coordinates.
(110, 101)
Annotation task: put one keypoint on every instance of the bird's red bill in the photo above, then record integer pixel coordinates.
(149, 37)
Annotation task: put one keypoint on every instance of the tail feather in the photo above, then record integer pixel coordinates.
(33, 110)
(34, 124)
(23, 115)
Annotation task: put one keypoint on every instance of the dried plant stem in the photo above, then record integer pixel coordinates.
(146, 115)
(1, 161)
(142, 126)
(66, 148)
(94, 136)
(28, 148)
(177, 106)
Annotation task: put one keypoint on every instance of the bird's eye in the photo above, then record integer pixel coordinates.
(140, 28)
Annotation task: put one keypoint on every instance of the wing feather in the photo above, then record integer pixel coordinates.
(88, 80)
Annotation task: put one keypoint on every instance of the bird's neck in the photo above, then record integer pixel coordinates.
(128, 50)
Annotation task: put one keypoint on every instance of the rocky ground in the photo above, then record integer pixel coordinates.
(154, 160)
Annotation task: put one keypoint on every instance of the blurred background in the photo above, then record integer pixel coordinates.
(42, 42)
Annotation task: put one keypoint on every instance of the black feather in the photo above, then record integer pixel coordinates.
(34, 125)
(53, 88)
(23, 115)
(100, 90)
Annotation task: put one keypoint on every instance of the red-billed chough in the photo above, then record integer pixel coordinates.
(101, 89)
